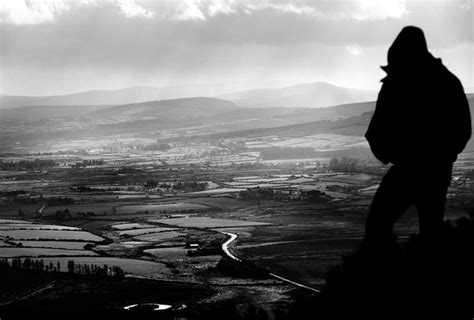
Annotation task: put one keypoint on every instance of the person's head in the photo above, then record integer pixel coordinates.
(408, 49)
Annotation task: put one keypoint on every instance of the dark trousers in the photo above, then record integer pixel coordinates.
(402, 186)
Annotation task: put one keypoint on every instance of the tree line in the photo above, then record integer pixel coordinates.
(257, 194)
(29, 264)
(28, 165)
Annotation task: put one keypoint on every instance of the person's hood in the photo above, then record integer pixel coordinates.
(409, 53)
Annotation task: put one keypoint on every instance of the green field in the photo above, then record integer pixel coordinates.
(205, 222)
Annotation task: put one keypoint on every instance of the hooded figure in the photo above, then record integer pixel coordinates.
(420, 124)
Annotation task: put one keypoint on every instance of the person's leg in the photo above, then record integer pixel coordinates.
(393, 197)
(430, 198)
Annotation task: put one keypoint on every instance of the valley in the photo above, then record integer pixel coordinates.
(154, 189)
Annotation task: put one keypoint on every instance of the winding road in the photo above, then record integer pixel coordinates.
(225, 248)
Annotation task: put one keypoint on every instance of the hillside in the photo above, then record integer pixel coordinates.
(169, 109)
(388, 284)
(112, 97)
(189, 118)
(308, 95)
(175, 109)
(31, 113)
(302, 95)
(353, 121)
(95, 97)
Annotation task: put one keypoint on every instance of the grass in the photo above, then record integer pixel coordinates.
(135, 267)
(75, 296)
(13, 221)
(138, 232)
(167, 252)
(128, 226)
(169, 207)
(205, 222)
(69, 245)
(40, 252)
(160, 236)
(30, 226)
(49, 235)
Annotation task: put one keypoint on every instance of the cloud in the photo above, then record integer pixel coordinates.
(376, 9)
(129, 8)
(336, 10)
(189, 10)
(24, 12)
(41, 11)
(221, 7)
(31, 12)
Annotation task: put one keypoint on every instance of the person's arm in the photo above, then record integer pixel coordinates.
(376, 133)
(460, 126)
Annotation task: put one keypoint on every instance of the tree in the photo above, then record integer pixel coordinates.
(70, 266)
(150, 184)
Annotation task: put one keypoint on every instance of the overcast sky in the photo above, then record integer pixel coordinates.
(59, 46)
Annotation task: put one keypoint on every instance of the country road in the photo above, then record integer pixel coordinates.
(225, 248)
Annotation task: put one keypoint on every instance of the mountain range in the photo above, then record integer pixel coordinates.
(307, 95)
(193, 116)
(318, 94)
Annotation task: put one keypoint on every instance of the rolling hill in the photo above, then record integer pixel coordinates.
(32, 113)
(308, 95)
(95, 97)
(112, 97)
(163, 109)
(188, 118)
(176, 109)
(353, 121)
(318, 94)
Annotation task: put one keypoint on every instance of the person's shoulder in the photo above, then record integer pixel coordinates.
(448, 77)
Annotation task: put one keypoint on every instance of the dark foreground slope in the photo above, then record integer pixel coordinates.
(423, 279)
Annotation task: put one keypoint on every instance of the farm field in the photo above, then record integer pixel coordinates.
(205, 222)
(133, 267)
(69, 245)
(159, 236)
(49, 235)
(143, 231)
(29, 226)
(159, 208)
(42, 252)
(168, 253)
(129, 226)
(165, 216)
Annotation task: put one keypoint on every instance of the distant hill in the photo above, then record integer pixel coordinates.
(113, 97)
(353, 121)
(46, 112)
(175, 109)
(308, 95)
(163, 109)
(96, 97)
(197, 118)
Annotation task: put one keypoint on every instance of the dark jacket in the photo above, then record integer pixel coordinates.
(422, 114)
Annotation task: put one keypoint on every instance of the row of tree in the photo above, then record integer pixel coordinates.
(27, 165)
(258, 194)
(348, 165)
(277, 153)
(155, 147)
(86, 163)
(94, 270)
(50, 201)
(186, 186)
(30, 264)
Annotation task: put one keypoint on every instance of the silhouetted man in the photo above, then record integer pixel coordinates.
(420, 124)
